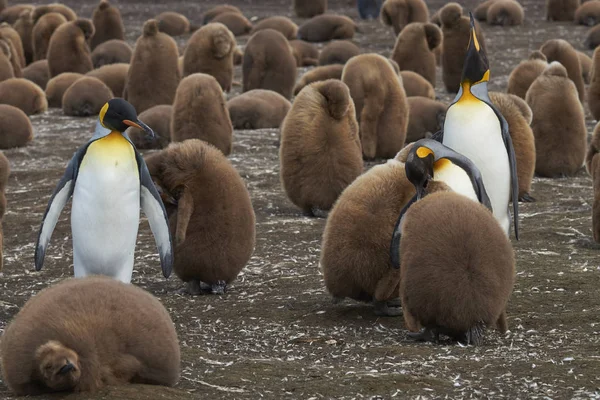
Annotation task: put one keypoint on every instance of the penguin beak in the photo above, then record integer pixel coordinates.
(68, 367)
(476, 67)
(140, 125)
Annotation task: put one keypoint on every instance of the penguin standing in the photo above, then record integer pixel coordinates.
(431, 166)
(475, 128)
(108, 180)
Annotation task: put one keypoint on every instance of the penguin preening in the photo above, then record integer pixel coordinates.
(109, 181)
(428, 163)
(475, 128)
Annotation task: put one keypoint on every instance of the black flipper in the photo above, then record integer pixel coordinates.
(60, 197)
(154, 209)
(396, 236)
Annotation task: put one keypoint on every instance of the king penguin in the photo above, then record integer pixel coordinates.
(428, 162)
(475, 128)
(108, 180)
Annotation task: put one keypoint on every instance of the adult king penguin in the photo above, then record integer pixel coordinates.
(108, 180)
(429, 162)
(475, 128)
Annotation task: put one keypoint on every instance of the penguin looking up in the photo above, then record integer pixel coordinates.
(431, 165)
(475, 128)
(109, 181)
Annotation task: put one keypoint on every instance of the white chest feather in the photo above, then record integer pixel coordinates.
(458, 180)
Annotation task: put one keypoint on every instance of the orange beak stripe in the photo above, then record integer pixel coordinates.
(131, 123)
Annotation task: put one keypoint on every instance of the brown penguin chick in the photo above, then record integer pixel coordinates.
(269, 63)
(319, 133)
(199, 96)
(561, 10)
(593, 149)
(42, 32)
(562, 51)
(380, 100)
(286, 26)
(6, 69)
(505, 13)
(86, 97)
(23, 94)
(525, 73)
(24, 27)
(355, 261)
(8, 32)
(258, 109)
(37, 72)
(592, 39)
(457, 269)
(155, 60)
(399, 13)
(4, 174)
(588, 14)
(519, 116)
(210, 51)
(309, 8)
(306, 54)
(62, 9)
(15, 131)
(326, 27)
(594, 88)
(554, 103)
(414, 49)
(159, 119)
(415, 85)
(595, 172)
(11, 14)
(333, 71)
(14, 60)
(213, 230)
(108, 24)
(456, 30)
(57, 86)
(235, 22)
(586, 66)
(111, 52)
(172, 23)
(68, 50)
(114, 76)
(480, 12)
(213, 12)
(338, 52)
(426, 116)
(85, 333)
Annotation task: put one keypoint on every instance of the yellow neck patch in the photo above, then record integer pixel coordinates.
(441, 164)
(103, 113)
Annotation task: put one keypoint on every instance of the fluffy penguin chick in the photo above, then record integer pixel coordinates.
(554, 102)
(68, 50)
(381, 107)
(457, 269)
(522, 138)
(588, 13)
(399, 13)
(355, 261)
(42, 33)
(594, 88)
(37, 72)
(415, 85)
(426, 116)
(560, 50)
(85, 333)
(323, 28)
(414, 49)
(320, 151)
(15, 129)
(286, 26)
(108, 23)
(159, 119)
(505, 13)
(338, 52)
(214, 229)
(198, 96)
(323, 73)
(561, 10)
(155, 60)
(23, 94)
(309, 8)
(111, 52)
(258, 109)
(525, 73)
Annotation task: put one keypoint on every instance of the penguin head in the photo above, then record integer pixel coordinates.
(118, 115)
(476, 67)
(419, 168)
(58, 366)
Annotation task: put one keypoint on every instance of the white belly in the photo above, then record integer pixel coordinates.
(458, 180)
(473, 130)
(105, 216)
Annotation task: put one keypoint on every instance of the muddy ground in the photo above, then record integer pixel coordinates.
(276, 334)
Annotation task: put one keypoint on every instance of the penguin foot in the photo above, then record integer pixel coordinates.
(337, 300)
(220, 287)
(383, 309)
(526, 198)
(394, 302)
(425, 335)
(473, 336)
(192, 288)
(318, 213)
